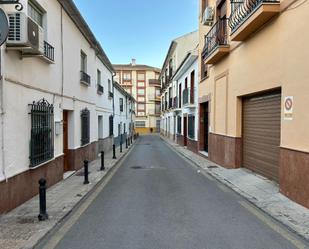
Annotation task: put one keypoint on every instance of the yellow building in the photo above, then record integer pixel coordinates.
(143, 83)
(254, 89)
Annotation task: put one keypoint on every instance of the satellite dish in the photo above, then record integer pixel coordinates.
(4, 27)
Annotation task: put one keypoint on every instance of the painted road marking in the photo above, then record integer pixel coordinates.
(267, 220)
(65, 228)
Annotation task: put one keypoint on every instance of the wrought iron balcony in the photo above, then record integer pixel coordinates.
(110, 94)
(154, 82)
(249, 15)
(49, 51)
(84, 78)
(216, 42)
(100, 89)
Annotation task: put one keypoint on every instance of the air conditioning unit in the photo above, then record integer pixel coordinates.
(208, 16)
(25, 34)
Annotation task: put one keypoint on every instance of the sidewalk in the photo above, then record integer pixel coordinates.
(256, 189)
(20, 228)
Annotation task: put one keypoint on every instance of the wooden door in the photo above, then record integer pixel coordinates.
(185, 131)
(65, 142)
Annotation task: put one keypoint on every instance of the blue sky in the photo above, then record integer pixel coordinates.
(139, 29)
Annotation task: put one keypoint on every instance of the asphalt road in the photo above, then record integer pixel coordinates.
(157, 200)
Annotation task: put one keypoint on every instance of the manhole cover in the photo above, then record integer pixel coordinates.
(136, 167)
(212, 167)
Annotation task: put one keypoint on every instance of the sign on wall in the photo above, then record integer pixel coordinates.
(4, 27)
(288, 108)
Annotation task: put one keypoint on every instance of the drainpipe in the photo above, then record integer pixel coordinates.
(2, 112)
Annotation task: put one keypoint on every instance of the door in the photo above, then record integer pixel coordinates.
(206, 125)
(261, 134)
(185, 131)
(65, 142)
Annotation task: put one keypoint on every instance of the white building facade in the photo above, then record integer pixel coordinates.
(178, 51)
(57, 98)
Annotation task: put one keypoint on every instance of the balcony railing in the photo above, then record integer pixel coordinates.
(84, 78)
(217, 36)
(100, 89)
(49, 51)
(154, 82)
(243, 9)
(110, 94)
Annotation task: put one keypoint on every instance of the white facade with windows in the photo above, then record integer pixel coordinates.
(175, 57)
(56, 97)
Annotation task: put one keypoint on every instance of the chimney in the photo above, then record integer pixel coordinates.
(133, 63)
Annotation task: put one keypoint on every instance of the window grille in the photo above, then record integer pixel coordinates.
(85, 126)
(179, 125)
(42, 137)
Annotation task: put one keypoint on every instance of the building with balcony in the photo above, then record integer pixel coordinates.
(57, 98)
(186, 102)
(177, 53)
(253, 89)
(143, 83)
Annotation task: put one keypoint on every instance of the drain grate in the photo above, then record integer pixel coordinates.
(212, 167)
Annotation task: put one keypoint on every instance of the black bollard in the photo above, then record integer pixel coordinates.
(126, 143)
(42, 190)
(131, 140)
(121, 143)
(114, 151)
(86, 181)
(102, 161)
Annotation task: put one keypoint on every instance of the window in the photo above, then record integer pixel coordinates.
(121, 104)
(126, 76)
(157, 110)
(83, 62)
(124, 128)
(42, 136)
(141, 91)
(99, 77)
(141, 83)
(204, 70)
(141, 76)
(35, 13)
(140, 124)
(158, 92)
(191, 126)
(85, 126)
(111, 125)
(141, 107)
(179, 125)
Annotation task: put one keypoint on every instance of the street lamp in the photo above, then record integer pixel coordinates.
(18, 5)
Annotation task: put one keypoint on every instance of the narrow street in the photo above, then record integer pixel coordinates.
(157, 200)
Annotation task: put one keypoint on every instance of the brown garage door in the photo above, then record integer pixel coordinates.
(261, 134)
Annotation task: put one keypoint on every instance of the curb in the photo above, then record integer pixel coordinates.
(40, 237)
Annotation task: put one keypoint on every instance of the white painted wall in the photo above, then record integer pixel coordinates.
(31, 79)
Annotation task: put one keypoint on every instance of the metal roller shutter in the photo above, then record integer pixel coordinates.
(261, 134)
